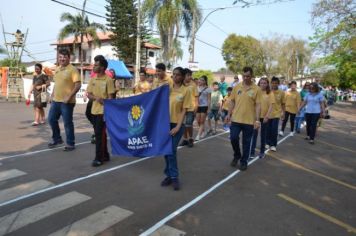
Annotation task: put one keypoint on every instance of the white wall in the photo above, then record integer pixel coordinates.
(106, 50)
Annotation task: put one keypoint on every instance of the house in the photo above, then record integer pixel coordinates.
(150, 51)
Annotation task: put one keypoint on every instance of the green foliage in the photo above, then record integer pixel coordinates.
(170, 16)
(241, 51)
(7, 62)
(334, 39)
(122, 21)
(207, 73)
(330, 78)
(2, 50)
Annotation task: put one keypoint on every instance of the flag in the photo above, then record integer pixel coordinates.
(139, 125)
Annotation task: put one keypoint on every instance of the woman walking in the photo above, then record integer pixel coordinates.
(40, 83)
(179, 103)
(292, 101)
(267, 103)
(315, 108)
(204, 100)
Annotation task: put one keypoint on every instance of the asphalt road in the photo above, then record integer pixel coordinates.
(301, 189)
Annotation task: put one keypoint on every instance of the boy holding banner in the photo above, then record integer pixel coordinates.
(179, 103)
(99, 88)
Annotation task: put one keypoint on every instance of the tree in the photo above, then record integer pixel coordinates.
(207, 73)
(294, 57)
(80, 27)
(170, 16)
(7, 62)
(122, 21)
(334, 38)
(241, 51)
(2, 50)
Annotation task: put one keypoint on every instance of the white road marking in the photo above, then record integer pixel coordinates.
(39, 151)
(9, 174)
(86, 177)
(19, 219)
(20, 190)
(166, 230)
(198, 198)
(95, 223)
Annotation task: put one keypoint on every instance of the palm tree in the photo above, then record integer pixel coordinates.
(170, 16)
(80, 27)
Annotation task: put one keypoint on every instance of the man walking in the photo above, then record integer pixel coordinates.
(99, 88)
(244, 113)
(66, 85)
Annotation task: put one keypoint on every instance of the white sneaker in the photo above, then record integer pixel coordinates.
(266, 146)
(197, 138)
(273, 149)
(281, 133)
(291, 134)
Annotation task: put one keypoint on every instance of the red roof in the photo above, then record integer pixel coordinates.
(102, 37)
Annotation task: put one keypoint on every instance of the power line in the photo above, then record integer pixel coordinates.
(40, 42)
(217, 27)
(88, 12)
(208, 44)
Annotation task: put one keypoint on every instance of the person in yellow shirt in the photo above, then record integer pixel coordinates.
(277, 112)
(142, 86)
(244, 114)
(292, 102)
(190, 114)
(267, 104)
(179, 102)
(99, 88)
(66, 85)
(162, 78)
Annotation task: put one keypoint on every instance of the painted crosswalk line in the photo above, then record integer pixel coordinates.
(9, 174)
(19, 219)
(166, 230)
(22, 189)
(95, 223)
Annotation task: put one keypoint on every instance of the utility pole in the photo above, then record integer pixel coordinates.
(192, 43)
(81, 46)
(138, 43)
(195, 30)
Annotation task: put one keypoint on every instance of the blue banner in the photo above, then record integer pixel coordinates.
(139, 126)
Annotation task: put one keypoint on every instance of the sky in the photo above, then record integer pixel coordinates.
(41, 17)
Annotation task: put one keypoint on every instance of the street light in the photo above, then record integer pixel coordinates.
(192, 42)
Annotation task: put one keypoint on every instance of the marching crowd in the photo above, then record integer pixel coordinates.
(255, 110)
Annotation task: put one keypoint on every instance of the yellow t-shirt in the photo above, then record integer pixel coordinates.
(179, 99)
(226, 102)
(266, 101)
(277, 107)
(193, 93)
(244, 111)
(142, 87)
(292, 100)
(157, 82)
(64, 80)
(100, 87)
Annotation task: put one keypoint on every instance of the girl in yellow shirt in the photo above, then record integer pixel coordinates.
(292, 101)
(179, 102)
(267, 103)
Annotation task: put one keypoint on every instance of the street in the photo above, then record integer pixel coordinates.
(301, 189)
